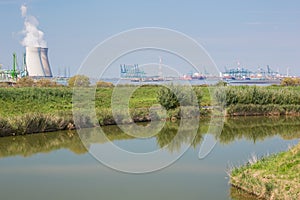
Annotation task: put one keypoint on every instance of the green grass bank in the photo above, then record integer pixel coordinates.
(255, 100)
(36, 109)
(273, 177)
(25, 110)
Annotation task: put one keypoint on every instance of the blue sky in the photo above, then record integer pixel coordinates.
(255, 33)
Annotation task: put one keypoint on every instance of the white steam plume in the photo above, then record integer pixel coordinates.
(23, 10)
(33, 36)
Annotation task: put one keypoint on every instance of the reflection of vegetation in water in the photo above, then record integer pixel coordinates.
(169, 136)
(166, 137)
(237, 194)
(259, 128)
(40, 143)
(250, 128)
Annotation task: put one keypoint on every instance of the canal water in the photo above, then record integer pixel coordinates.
(57, 165)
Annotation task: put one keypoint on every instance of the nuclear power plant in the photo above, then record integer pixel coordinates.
(37, 62)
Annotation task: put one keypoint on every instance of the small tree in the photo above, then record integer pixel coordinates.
(221, 83)
(174, 96)
(79, 80)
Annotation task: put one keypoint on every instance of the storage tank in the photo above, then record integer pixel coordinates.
(45, 62)
(34, 62)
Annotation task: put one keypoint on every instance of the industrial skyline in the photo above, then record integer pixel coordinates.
(255, 33)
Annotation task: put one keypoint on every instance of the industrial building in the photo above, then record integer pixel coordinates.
(37, 62)
(35, 65)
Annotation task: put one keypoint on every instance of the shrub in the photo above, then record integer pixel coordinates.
(79, 80)
(256, 95)
(173, 96)
(221, 83)
(104, 84)
(45, 83)
(290, 81)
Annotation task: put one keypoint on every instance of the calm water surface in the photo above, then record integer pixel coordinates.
(57, 166)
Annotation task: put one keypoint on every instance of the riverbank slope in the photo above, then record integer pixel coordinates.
(273, 177)
(25, 110)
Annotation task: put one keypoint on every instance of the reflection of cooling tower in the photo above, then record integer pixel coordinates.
(34, 62)
(45, 62)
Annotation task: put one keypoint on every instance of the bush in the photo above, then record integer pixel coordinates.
(221, 83)
(104, 84)
(45, 83)
(79, 80)
(173, 96)
(290, 81)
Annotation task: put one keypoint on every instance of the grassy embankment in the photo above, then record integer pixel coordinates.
(42, 109)
(274, 177)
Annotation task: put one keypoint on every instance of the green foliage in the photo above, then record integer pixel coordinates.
(173, 96)
(19, 101)
(253, 100)
(257, 95)
(79, 81)
(168, 97)
(221, 83)
(273, 177)
(33, 123)
(255, 109)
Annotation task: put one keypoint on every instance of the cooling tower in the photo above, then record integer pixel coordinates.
(34, 62)
(45, 62)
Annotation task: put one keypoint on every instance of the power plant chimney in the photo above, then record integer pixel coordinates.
(37, 62)
(45, 62)
(34, 62)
